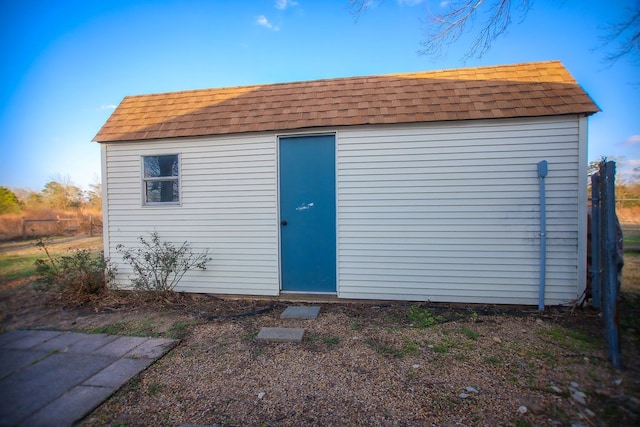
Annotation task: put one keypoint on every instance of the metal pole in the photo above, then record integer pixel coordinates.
(542, 173)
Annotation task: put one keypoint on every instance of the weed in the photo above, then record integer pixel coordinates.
(111, 329)
(492, 360)
(250, 336)
(439, 348)
(410, 348)
(179, 330)
(132, 385)
(331, 341)
(421, 317)
(356, 326)
(383, 348)
(469, 333)
(154, 389)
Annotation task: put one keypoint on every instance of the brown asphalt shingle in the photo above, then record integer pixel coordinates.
(520, 90)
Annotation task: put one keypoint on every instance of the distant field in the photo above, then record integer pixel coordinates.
(631, 270)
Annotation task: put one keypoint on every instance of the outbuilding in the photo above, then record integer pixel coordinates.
(421, 186)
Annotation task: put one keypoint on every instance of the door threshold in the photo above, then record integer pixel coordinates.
(309, 297)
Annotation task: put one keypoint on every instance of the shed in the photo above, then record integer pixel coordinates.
(419, 186)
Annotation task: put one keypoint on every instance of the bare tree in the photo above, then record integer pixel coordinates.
(493, 17)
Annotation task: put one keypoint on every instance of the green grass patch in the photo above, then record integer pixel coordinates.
(154, 389)
(331, 341)
(631, 235)
(136, 329)
(569, 338)
(492, 360)
(631, 269)
(250, 336)
(469, 333)
(179, 330)
(14, 267)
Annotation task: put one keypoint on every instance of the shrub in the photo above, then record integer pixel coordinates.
(78, 277)
(159, 266)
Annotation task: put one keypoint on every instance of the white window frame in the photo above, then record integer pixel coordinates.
(144, 180)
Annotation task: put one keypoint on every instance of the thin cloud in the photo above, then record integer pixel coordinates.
(107, 107)
(409, 2)
(632, 140)
(264, 22)
(283, 4)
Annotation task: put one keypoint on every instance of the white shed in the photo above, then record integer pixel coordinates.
(420, 186)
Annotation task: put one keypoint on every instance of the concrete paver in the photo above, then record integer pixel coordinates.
(32, 339)
(90, 343)
(300, 312)
(281, 334)
(56, 378)
(118, 373)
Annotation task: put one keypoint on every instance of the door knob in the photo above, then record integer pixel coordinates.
(283, 222)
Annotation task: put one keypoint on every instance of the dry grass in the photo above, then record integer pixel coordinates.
(629, 215)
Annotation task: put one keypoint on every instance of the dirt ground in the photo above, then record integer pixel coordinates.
(375, 363)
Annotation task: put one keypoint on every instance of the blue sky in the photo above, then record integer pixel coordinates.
(66, 64)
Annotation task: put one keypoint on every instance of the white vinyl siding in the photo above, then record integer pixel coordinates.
(450, 211)
(228, 192)
(433, 212)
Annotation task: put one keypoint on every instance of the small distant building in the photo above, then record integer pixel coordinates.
(418, 186)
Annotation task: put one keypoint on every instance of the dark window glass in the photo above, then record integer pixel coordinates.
(161, 179)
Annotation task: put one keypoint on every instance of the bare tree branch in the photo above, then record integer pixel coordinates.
(626, 33)
(447, 27)
(358, 7)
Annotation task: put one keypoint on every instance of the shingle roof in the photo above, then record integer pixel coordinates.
(520, 90)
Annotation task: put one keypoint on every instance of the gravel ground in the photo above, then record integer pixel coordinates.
(393, 364)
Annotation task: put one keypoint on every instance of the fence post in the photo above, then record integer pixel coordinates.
(595, 241)
(610, 267)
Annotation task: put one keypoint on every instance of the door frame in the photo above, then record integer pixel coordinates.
(278, 219)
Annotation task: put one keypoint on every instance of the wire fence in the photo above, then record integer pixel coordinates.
(15, 228)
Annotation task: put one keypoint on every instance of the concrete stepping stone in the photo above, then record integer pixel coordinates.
(281, 334)
(300, 312)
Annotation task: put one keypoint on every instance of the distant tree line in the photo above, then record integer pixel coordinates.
(56, 195)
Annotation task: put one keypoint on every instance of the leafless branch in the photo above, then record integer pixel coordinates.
(447, 27)
(627, 35)
(358, 7)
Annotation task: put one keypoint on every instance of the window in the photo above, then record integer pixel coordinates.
(161, 179)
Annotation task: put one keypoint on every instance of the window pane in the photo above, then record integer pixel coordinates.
(162, 191)
(160, 166)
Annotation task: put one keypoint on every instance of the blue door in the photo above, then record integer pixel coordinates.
(308, 214)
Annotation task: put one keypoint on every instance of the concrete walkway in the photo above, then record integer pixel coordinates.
(56, 378)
